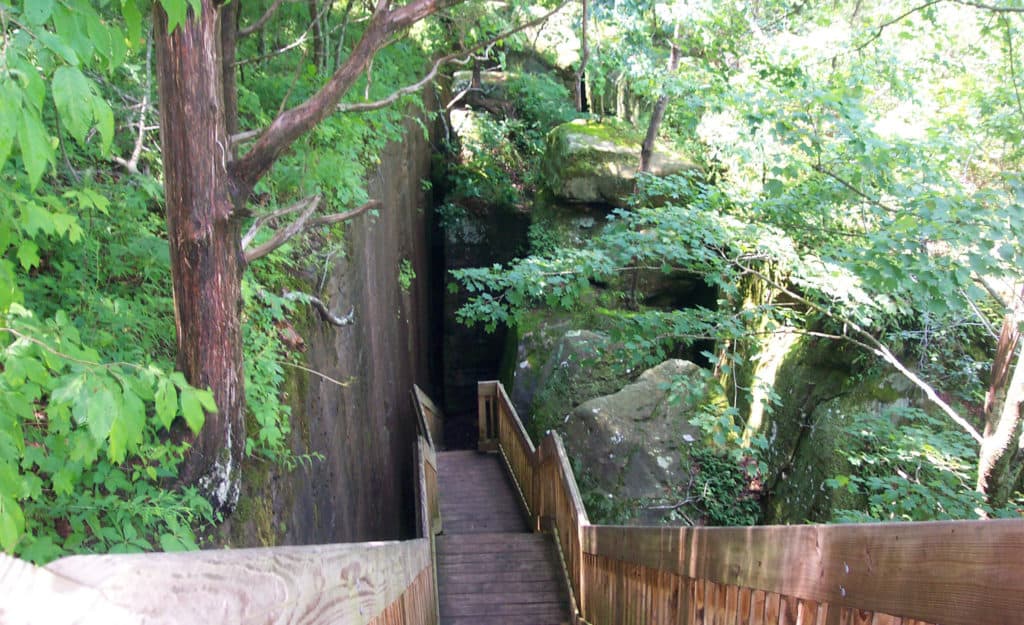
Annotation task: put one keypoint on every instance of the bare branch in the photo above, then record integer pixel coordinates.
(322, 308)
(293, 123)
(868, 341)
(304, 222)
(298, 42)
(132, 163)
(328, 220)
(258, 24)
(995, 8)
(281, 212)
(285, 234)
(881, 27)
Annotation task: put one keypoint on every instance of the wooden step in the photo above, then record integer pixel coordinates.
(490, 569)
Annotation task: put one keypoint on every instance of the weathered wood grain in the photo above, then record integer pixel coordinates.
(935, 572)
(346, 583)
(430, 419)
(31, 594)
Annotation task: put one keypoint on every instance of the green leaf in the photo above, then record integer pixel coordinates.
(12, 523)
(102, 408)
(132, 20)
(28, 254)
(192, 409)
(170, 542)
(10, 106)
(126, 431)
(166, 400)
(104, 122)
(176, 11)
(58, 45)
(75, 100)
(36, 150)
(38, 11)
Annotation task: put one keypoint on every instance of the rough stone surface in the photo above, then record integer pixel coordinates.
(576, 366)
(588, 161)
(362, 489)
(629, 443)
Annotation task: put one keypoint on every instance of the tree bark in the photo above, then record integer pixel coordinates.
(658, 115)
(581, 85)
(204, 236)
(316, 28)
(206, 190)
(999, 459)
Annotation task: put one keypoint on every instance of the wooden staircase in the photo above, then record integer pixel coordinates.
(491, 569)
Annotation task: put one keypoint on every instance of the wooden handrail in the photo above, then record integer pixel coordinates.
(383, 583)
(429, 418)
(379, 583)
(951, 572)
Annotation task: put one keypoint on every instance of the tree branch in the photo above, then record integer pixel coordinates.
(869, 342)
(304, 222)
(293, 123)
(281, 212)
(466, 56)
(258, 24)
(132, 163)
(881, 27)
(989, 7)
(322, 308)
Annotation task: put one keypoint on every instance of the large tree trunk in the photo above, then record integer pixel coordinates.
(658, 115)
(203, 232)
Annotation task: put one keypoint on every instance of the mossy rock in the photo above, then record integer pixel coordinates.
(554, 376)
(596, 161)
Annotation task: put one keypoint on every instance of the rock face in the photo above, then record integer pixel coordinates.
(588, 161)
(360, 489)
(628, 443)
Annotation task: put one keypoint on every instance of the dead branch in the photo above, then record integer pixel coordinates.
(281, 212)
(321, 307)
(131, 164)
(260, 23)
(304, 222)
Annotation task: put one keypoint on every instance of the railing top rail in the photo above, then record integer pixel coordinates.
(950, 572)
(429, 418)
(314, 585)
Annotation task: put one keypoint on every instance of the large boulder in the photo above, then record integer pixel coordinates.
(557, 369)
(628, 446)
(596, 162)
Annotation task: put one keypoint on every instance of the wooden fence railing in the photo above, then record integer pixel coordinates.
(953, 572)
(378, 583)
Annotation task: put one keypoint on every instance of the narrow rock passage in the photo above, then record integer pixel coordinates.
(491, 569)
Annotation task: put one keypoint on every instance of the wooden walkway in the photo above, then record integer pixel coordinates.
(491, 569)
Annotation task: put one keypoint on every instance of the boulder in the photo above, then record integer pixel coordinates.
(558, 369)
(595, 162)
(627, 446)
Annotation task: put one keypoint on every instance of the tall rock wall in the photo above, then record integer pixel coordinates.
(363, 428)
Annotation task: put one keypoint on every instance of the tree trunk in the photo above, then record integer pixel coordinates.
(658, 115)
(229, 76)
(999, 458)
(316, 28)
(204, 238)
(581, 85)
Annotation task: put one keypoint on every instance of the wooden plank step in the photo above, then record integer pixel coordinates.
(506, 619)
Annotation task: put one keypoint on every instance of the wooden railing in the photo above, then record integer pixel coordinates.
(953, 572)
(379, 583)
(429, 418)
